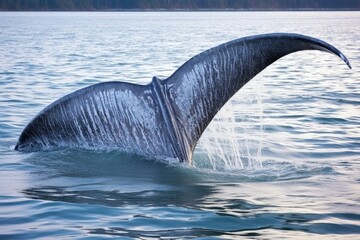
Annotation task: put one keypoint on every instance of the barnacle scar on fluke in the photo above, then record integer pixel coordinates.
(164, 118)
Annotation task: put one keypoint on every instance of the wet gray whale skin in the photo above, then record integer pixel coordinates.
(164, 118)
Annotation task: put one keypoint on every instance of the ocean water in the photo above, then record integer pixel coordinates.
(280, 161)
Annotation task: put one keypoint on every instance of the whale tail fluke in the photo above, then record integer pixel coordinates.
(164, 118)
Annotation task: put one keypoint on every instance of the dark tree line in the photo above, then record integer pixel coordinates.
(83, 5)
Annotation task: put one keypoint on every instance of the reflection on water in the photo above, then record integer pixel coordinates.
(112, 179)
(137, 198)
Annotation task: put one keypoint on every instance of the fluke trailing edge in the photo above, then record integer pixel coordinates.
(164, 118)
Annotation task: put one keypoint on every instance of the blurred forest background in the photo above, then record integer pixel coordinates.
(195, 5)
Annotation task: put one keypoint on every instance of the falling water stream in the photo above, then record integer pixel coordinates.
(233, 140)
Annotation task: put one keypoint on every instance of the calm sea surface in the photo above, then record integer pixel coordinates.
(281, 161)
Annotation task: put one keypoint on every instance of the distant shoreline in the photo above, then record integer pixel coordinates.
(178, 5)
(189, 10)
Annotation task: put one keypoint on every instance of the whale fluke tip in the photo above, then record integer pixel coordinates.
(344, 58)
